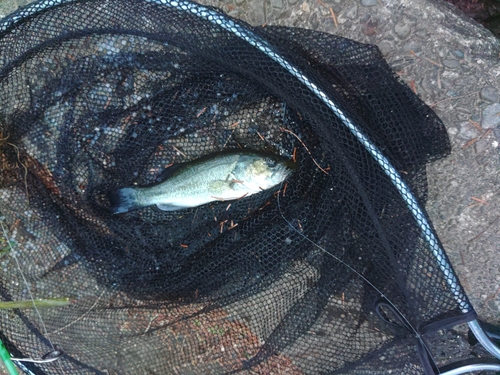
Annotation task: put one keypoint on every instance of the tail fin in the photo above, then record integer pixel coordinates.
(123, 200)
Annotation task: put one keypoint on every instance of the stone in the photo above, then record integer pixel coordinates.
(450, 63)
(277, 3)
(385, 47)
(489, 94)
(458, 53)
(368, 3)
(368, 25)
(412, 45)
(491, 116)
(467, 131)
(402, 28)
(351, 13)
(256, 15)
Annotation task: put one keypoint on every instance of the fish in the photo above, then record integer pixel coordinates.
(217, 177)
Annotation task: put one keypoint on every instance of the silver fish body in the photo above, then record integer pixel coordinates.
(226, 176)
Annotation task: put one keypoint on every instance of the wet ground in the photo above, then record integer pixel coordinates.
(453, 64)
(486, 12)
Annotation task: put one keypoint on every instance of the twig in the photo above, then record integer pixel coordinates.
(334, 17)
(19, 160)
(49, 302)
(304, 145)
(482, 232)
(426, 58)
(80, 317)
(456, 97)
(485, 134)
(179, 151)
(201, 112)
(413, 86)
(479, 200)
(151, 322)
(492, 296)
(475, 124)
(472, 141)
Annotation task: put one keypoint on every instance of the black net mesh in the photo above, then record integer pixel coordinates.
(333, 271)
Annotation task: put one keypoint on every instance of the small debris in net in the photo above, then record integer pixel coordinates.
(201, 112)
(303, 144)
(179, 151)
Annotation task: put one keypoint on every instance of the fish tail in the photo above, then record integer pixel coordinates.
(123, 200)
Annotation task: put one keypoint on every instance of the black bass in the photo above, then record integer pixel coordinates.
(220, 177)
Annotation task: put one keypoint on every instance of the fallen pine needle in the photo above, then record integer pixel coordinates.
(304, 145)
(452, 98)
(479, 200)
(484, 231)
(334, 17)
(472, 141)
(426, 58)
(475, 124)
(486, 133)
(179, 151)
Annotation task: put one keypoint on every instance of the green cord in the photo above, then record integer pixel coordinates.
(5, 356)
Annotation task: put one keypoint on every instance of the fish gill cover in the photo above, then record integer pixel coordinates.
(331, 271)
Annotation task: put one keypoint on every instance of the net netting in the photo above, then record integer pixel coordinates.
(335, 270)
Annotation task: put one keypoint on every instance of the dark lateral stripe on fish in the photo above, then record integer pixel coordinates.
(123, 200)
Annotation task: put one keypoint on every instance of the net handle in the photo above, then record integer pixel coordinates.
(483, 338)
(7, 361)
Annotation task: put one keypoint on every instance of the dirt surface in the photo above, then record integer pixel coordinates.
(486, 12)
(452, 63)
